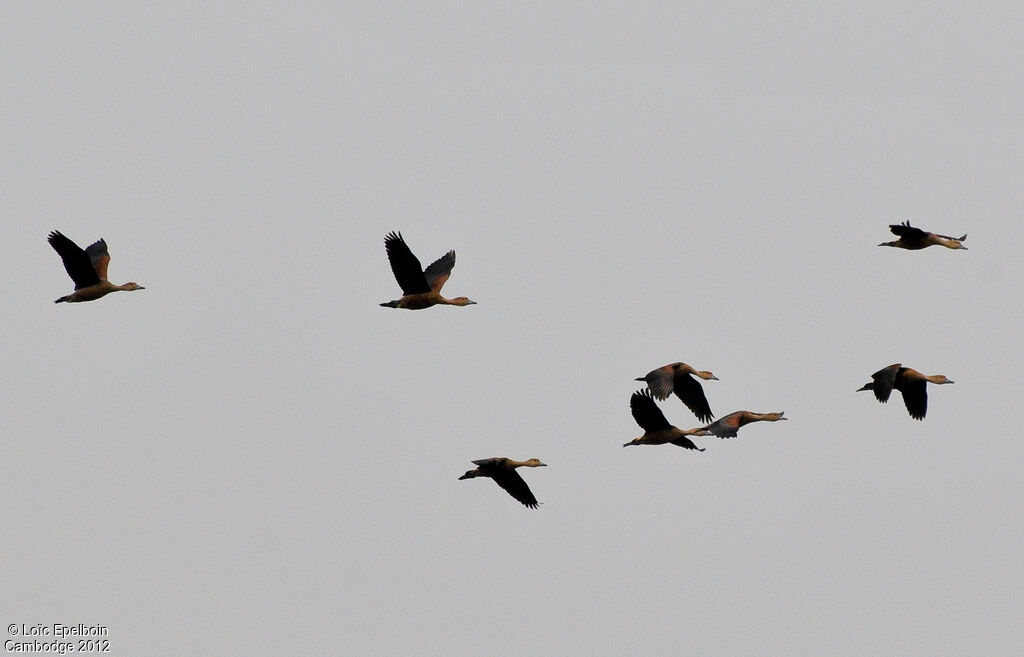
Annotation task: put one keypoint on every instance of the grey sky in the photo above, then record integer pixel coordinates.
(252, 457)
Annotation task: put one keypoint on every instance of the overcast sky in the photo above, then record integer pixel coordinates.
(252, 457)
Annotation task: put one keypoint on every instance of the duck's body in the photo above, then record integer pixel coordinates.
(675, 377)
(729, 426)
(911, 383)
(87, 268)
(914, 239)
(420, 288)
(657, 430)
(503, 471)
(421, 301)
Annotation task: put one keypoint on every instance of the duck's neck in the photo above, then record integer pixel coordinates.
(458, 301)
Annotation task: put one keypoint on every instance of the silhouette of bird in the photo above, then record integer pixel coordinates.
(87, 268)
(420, 288)
(675, 377)
(914, 239)
(909, 382)
(503, 472)
(728, 426)
(657, 430)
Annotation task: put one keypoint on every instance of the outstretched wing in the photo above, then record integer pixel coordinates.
(686, 443)
(884, 380)
(498, 460)
(438, 272)
(728, 426)
(515, 486)
(915, 397)
(646, 412)
(907, 231)
(99, 257)
(659, 381)
(691, 392)
(405, 265)
(77, 262)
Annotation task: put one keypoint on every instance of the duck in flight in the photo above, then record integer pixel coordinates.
(657, 430)
(915, 239)
(420, 288)
(675, 377)
(729, 426)
(909, 382)
(503, 472)
(87, 268)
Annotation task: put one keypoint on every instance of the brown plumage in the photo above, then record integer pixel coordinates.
(914, 239)
(420, 288)
(87, 268)
(909, 382)
(657, 430)
(503, 472)
(729, 426)
(675, 377)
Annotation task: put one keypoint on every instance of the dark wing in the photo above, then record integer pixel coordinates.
(685, 442)
(515, 486)
(438, 272)
(405, 265)
(99, 257)
(76, 261)
(659, 381)
(912, 237)
(728, 426)
(691, 392)
(884, 380)
(905, 230)
(915, 396)
(646, 412)
(489, 462)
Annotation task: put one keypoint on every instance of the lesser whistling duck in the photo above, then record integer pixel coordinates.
(675, 377)
(909, 382)
(420, 288)
(914, 239)
(657, 430)
(503, 472)
(728, 426)
(87, 268)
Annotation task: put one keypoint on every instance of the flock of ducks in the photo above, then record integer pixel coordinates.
(421, 288)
